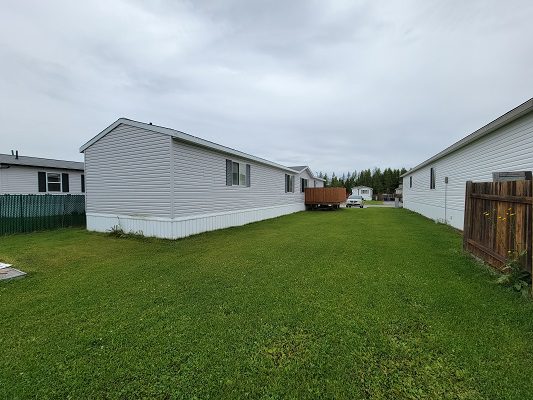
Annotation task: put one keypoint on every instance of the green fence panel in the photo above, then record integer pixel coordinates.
(21, 213)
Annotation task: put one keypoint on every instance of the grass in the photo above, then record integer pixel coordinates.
(359, 304)
(373, 201)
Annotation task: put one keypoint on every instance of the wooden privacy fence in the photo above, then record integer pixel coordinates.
(27, 213)
(498, 220)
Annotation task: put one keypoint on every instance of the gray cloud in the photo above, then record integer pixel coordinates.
(339, 85)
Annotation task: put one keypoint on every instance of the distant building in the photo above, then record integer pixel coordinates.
(364, 191)
(399, 191)
(33, 175)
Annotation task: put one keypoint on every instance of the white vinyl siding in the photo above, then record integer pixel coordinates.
(318, 183)
(509, 148)
(127, 172)
(200, 183)
(24, 180)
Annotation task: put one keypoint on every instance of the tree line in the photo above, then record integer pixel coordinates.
(385, 181)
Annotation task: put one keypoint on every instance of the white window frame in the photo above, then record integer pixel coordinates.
(48, 182)
(432, 178)
(289, 183)
(241, 174)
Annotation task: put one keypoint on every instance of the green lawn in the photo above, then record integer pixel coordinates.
(373, 202)
(358, 304)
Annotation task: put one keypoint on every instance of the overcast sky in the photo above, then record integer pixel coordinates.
(337, 85)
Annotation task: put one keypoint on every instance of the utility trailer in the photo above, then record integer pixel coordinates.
(324, 198)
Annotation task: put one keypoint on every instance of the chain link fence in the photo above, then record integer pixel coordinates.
(21, 213)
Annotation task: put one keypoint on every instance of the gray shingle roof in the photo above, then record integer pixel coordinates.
(300, 168)
(40, 162)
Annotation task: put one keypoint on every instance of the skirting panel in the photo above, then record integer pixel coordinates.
(452, 217)
(167, 228)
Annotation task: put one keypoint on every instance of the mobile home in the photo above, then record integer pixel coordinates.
(436, 187)
(169, 184)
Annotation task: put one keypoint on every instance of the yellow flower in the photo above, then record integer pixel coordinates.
(512, 213)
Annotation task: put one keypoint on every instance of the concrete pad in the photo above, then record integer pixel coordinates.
(10, 273)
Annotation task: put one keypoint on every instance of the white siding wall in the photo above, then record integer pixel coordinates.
(149, 182)
(509, 148)
(366, 196)
(200, 184)
(318, 183)
(298, 183)
(24, 180)
(128, 173)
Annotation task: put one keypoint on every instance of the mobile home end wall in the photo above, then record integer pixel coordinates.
(509, 148)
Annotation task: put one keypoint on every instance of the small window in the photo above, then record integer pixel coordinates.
(82, 183)
(53, 182)
(410, 182)
(289, 183)
(432, 178)
(235, 170)
(237, 174)
(364, 191)
(303, 184)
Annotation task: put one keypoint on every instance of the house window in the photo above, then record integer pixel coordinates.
(235, 170)
(410, 182)
(303, 184)
(432, 178)
(364, 191)
(289, 183)
(53, 182)
(237, 174)
(82, 183)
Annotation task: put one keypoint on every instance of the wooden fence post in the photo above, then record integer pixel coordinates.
(468, 216)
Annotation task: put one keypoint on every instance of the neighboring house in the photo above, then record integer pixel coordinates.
(307, 178)
(398, 192)
(436, 188)
(168, 184)
(364, 191)
(32, 175)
